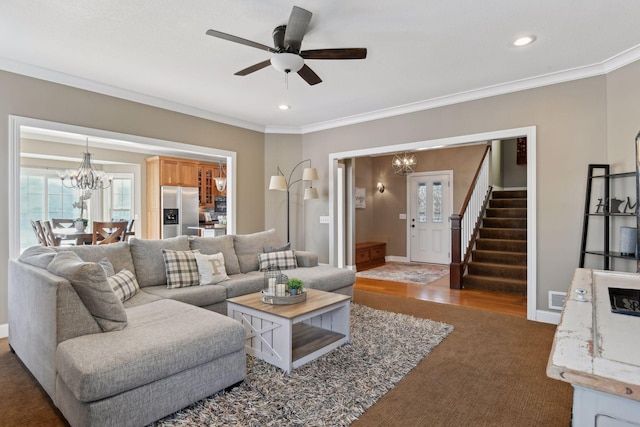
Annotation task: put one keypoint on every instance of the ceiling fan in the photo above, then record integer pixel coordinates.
(287, 56)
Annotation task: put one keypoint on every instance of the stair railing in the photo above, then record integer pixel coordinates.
(465, 225)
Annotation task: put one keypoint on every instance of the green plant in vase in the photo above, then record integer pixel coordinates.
(295, 286)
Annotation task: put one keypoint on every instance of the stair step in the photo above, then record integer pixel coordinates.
(499, 257)
(507, 212)
(498, 270)
(504, 245)
(504, 233)
(518, 287)
(508, 203)
(509, 194)
(504, 222)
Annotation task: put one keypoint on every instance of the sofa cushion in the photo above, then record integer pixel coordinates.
(211, 268)
(248, 246)
(107, 267)
(124, 284)
(306, 259)
(242, 284)
(324, 277)
(284, 260)
(148, 260)
(163, 338)
(118, 254)
(38, 256)
(181, 268)
(200, 296)
(90, 283)
(268, 248)
(213, 245)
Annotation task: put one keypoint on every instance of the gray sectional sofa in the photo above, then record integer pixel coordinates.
(108, 363)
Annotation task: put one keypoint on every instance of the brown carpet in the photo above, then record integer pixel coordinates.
(490, 371)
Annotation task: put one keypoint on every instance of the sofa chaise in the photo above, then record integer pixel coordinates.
(111, 363)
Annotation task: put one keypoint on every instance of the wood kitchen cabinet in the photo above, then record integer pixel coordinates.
(178, 172)
(207, 184)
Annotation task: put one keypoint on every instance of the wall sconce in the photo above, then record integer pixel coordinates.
(380, 187)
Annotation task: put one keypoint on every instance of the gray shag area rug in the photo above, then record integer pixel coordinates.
(330, 391)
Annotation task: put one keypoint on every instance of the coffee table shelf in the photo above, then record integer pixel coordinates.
(288, 336)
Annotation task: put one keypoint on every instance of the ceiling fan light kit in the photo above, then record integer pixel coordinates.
(287, 62)
(287, 56)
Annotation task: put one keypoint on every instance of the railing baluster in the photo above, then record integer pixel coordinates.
(465, 224)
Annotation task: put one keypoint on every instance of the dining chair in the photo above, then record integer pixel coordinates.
(39, 232)
(130, 231)
(108, 232)
(49, 237)
(63, 222)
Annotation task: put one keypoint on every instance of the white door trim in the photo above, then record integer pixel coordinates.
(529, 131)
(419, 174)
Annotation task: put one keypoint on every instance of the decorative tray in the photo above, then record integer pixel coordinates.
(269, 298)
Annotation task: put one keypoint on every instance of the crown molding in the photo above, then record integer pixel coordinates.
(104, 89)
(611, 64)
(604, 67)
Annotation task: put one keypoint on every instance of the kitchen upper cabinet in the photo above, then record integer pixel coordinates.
(178, 172)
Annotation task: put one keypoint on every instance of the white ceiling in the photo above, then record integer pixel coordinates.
(420, 53)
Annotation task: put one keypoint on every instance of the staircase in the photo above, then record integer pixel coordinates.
(499, 260)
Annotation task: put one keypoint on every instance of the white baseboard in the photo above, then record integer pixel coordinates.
(396, 258)
(544, 316)
(4, 330)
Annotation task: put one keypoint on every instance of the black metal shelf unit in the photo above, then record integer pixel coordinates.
(606, 215)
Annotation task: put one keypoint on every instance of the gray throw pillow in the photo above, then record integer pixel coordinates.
(267, 249)
(38, 256)
(248, 246)
(214, 245)
(148, 260)
(90, 282)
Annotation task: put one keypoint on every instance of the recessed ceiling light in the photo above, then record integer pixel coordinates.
(523, 41)
(284, 107)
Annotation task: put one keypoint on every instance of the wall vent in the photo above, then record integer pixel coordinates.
(556, 300)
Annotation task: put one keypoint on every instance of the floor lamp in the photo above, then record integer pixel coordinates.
(279, 182)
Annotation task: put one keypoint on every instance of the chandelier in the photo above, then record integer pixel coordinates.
(403, 163)
(86, 177)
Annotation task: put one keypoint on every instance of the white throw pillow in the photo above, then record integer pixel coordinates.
(211, 268)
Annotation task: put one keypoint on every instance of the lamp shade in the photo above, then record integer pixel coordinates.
(277, 182)
(310, 174)
(311, 193)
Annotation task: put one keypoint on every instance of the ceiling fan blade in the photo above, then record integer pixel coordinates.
(308, 75)
(296, 28)
(347, 53)
(256, 67)
(240, 40)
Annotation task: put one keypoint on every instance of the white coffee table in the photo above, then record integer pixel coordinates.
(288, 336)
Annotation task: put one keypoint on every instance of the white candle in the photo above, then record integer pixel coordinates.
(272, 285)
(280, 289)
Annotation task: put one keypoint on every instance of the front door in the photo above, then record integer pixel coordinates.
(430, 197)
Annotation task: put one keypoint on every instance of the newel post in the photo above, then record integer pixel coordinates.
(456, 267)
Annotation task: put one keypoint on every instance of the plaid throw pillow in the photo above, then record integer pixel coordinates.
(284, 260)
(181, 268)
(124, 284)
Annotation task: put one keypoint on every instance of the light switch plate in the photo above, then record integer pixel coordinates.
(403, 216)
(324, 219)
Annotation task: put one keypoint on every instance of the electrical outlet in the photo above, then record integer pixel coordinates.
(324, 219)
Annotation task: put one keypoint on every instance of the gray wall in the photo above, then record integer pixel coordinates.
(33, 98)
(571, 120)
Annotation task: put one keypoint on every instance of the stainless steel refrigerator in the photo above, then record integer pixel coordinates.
(179, 211)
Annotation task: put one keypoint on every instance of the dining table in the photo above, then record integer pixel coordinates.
(81, 237)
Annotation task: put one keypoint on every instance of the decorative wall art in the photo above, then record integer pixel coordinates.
(521, 151)
(361, 197)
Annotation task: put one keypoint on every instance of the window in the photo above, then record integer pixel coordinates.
(119, 198)
(42, 197)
